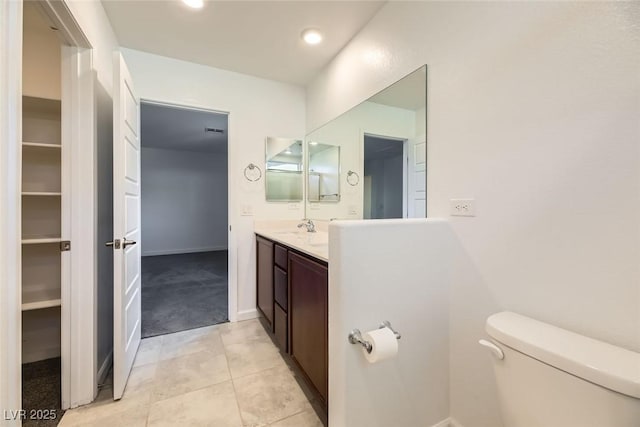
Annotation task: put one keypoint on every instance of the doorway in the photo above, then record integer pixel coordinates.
(184, 218)
(384, 177)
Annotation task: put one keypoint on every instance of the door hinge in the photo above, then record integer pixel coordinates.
(65, 246)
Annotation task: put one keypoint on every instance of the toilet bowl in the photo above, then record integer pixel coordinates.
(550, 377)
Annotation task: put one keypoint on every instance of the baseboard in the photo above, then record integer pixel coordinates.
(453, 422)
(247, 315)
(104, 369)
(183, 251)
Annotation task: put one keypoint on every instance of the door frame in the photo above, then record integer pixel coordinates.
(10, 219)
(232, 278)
(78, 340)
(405, 164)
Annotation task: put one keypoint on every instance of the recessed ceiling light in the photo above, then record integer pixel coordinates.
(311, 36)
(313, 143)
(196, 4)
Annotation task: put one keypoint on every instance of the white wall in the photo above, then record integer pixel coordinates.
(347, 131)
(533, 111)
(411, 292)
(257, 108)
(41, 56)
(184, 201)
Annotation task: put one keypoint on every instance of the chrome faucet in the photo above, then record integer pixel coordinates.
(311, 227)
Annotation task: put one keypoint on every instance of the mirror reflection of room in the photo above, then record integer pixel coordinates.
(323, 184)
(284, 169)
(384, 171)
(382, 144)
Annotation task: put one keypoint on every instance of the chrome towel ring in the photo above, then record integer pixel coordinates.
(250, 172)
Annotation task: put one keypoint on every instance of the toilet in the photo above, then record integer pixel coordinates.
(550, 377)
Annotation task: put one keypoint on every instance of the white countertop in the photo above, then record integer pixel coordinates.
(286, 232)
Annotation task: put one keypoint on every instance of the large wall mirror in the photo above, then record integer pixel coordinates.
(381, 147)
(284, 170)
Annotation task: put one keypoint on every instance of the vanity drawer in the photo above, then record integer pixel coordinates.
(280, 287)
(281, 327)
(281, 257)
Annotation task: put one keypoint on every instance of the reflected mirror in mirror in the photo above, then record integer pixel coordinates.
(284, 170)
(382, 143)
(323, 182)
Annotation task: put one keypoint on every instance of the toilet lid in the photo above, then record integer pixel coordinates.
(609, 366)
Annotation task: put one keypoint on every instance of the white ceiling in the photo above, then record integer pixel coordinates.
(182, 129)
(261, 38)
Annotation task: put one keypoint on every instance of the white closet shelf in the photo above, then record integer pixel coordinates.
(38, 240)
(43, 298)
(41, 193)
(40, 145)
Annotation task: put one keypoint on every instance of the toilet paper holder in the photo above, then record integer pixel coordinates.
(355, 336)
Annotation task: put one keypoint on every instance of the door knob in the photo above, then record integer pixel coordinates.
(126, 243)
(114, 243)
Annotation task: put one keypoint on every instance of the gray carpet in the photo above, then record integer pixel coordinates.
(183, 291)
(41, 393)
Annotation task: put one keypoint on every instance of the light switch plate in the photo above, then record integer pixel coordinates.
(462, 207)
(247, 210)
(294, 206)
(314, 206)
(353, 210)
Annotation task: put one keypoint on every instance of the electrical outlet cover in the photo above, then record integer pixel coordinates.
(462, 207)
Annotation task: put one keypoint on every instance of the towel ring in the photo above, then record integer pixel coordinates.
(252, 167)
(353, 178)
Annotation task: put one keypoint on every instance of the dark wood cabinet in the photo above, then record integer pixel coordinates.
(264, 279)
(281, 287)
(281, 257)
(281, 328)
(308, 319)
(292, 291)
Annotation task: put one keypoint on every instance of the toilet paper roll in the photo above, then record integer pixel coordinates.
(384, 345)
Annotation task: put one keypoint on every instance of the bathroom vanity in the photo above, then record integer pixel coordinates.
(292, 281)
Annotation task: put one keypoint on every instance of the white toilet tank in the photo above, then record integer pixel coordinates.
(551, 377)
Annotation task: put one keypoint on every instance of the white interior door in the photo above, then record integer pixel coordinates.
(127, 313)
(417, 188)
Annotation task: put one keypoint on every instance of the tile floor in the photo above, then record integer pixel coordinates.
(224, 375)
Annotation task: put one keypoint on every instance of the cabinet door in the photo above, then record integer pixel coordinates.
(308, 318)
(265, 278)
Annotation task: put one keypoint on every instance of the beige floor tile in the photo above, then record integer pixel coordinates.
(192, 341)
(269, 396)
(253, 356)
(211, 406)
(303, 419)
(141, 378)
(188, 373)
(135, 417)
(105, 406)
(240, 332)
(149, 351)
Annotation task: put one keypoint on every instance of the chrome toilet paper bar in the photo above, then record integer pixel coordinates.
(355, 336)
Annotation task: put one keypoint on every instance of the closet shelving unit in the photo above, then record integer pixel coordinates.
(42, 213)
